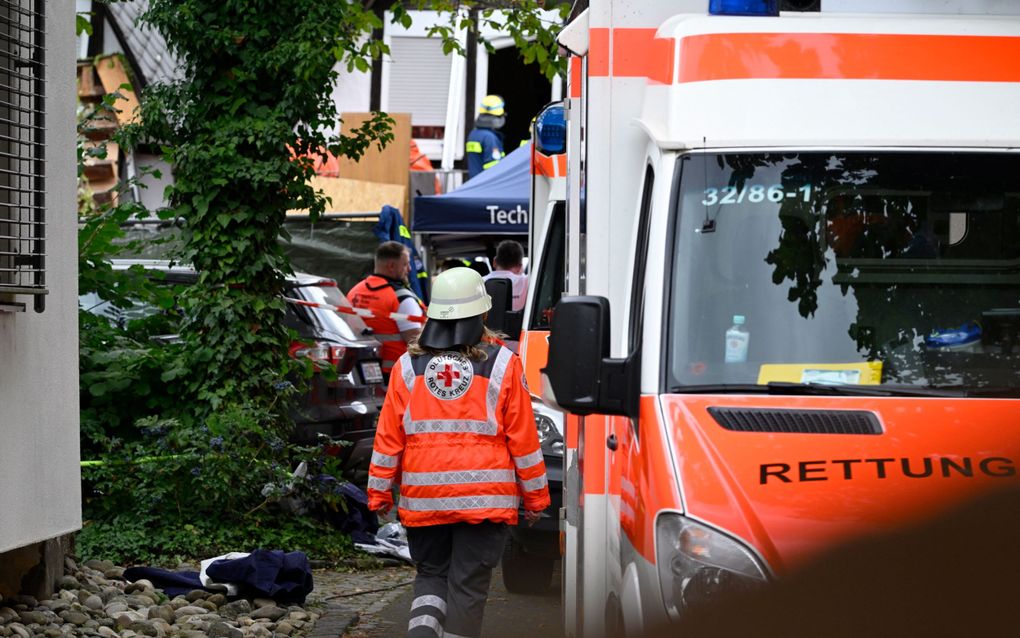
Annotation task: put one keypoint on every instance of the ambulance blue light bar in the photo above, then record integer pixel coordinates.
(744, 7)
(551, 130)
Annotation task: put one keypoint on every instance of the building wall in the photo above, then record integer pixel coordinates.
(39, 455)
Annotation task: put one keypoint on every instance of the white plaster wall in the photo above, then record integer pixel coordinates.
(151, 188)
(39, 456)
(352, 93)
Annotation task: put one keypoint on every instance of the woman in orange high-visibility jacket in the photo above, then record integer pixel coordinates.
(457, 433)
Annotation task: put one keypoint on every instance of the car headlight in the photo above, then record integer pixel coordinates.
(549, 435)
(697, 564)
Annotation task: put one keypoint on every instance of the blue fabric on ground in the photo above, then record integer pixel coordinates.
(173, 583)
(361, 523)
(286, 577)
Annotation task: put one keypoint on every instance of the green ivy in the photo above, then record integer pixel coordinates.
(176, 492)
(257, 90)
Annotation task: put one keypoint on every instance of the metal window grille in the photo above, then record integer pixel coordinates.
(22, 149)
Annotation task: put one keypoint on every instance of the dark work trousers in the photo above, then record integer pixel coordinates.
(455, 565)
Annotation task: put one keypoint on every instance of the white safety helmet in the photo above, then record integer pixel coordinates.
(455, 311)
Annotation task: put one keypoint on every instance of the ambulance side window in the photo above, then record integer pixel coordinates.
(551, 276)
(637, 302)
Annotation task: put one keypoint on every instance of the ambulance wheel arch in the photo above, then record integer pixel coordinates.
(614, 617)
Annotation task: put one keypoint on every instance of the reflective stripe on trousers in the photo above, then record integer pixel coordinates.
(427, 613)
(454, 564)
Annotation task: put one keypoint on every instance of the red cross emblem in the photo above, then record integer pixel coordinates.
(448, 375)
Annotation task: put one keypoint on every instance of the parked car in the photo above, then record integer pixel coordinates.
(344, 409)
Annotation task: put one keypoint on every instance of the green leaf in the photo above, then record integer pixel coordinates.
(83, 24)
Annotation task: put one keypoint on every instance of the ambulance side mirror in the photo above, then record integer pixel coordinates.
(580, 373)
(501, 317)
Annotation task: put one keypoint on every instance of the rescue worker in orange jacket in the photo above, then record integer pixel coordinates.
(385, 292)
(458, 435)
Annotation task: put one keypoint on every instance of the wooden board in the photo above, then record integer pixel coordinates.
(356, 196)
(112, 75)
(100, 169)
(392, 165)
(89, 89)
(103, 191)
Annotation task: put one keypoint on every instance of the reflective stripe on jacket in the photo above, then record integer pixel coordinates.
(382, 296)
(484, 149)
(459, 437)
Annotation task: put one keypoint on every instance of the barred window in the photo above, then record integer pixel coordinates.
(22, 151)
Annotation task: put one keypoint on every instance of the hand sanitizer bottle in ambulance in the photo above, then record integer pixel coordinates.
(737, 341)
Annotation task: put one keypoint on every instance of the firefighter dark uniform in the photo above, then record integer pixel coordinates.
(484, 145)
(383, 296)
(458, 436)
(484, 150)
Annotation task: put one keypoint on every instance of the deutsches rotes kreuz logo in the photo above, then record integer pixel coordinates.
(448, 376)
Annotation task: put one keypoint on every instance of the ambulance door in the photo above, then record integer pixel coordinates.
(546, 282)
(623, 532)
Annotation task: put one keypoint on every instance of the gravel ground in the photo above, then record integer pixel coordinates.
(93, 600)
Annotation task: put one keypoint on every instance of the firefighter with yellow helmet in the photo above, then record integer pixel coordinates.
(484, 144)
(457, 434)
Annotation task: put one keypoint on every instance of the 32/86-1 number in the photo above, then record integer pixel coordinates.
(755, 194)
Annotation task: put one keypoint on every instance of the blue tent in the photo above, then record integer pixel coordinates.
(495, 202)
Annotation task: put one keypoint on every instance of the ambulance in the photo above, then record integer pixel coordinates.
(775, 296)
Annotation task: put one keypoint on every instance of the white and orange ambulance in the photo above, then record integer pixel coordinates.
(788, 249)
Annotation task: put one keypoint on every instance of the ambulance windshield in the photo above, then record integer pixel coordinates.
(852, 268)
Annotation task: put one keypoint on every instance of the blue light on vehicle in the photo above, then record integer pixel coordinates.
(744, 7)
(551, 130)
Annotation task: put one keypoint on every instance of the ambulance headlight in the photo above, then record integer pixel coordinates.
(550, 430)
(698, 564)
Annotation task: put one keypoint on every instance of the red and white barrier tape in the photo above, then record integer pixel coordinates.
(365, 313)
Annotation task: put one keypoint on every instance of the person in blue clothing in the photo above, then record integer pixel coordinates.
(485, 143)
